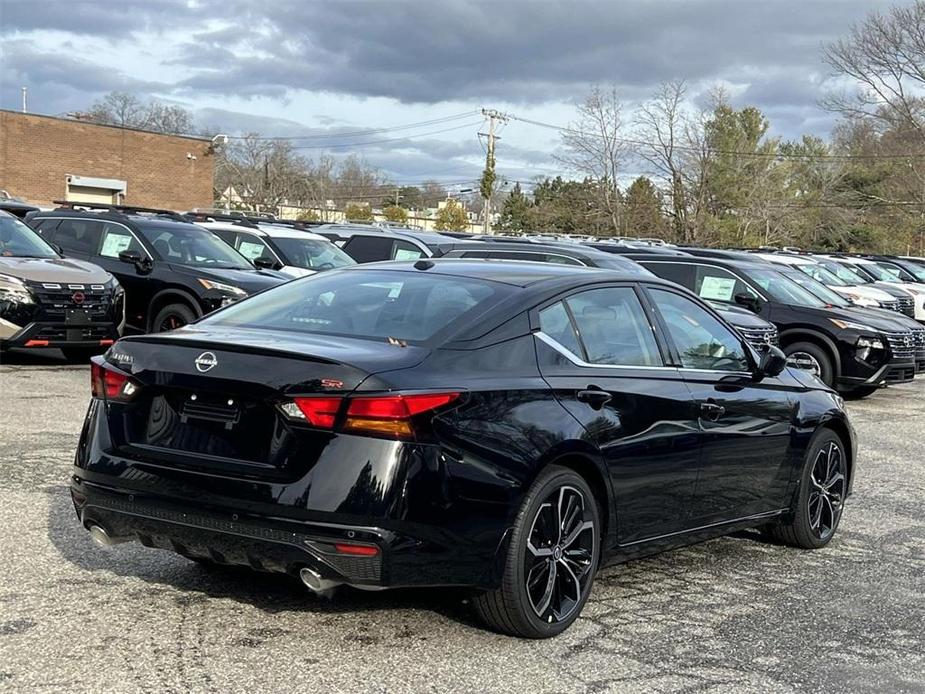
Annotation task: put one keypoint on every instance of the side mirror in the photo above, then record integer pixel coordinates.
(265, 263)
(135, 258)
(772, 362)
(748, 301)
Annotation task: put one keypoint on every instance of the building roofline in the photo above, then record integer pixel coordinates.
(105, 125)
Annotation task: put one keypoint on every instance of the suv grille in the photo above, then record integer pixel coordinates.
(902, 345)
(907, 306)
(760, 336)
(57, 299)
(892, 305)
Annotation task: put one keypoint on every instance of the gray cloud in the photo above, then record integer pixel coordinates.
(514, 53)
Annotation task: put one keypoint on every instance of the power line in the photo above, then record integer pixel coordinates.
(713, 150)
(391, 139)
(359, 133)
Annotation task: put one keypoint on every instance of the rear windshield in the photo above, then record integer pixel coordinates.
(368, 304)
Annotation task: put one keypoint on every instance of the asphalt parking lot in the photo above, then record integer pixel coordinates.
(735, 614)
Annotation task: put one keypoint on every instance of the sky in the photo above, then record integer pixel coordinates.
(334, 73)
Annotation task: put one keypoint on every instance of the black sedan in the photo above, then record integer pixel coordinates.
(507, 427)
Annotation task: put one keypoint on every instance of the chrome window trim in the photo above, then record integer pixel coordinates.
(578, 361)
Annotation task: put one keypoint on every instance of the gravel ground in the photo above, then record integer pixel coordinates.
(730, 615)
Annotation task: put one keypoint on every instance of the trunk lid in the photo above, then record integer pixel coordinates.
(209, 400)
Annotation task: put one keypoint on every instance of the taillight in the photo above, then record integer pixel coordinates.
(108, 383)
(377, 415)
(390, 415)
(319, 412)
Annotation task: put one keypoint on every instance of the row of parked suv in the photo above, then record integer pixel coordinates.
(98, 270)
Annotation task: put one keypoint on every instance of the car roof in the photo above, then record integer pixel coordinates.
(734, 262)
(264, 229)
(513, 272)
(781, 259)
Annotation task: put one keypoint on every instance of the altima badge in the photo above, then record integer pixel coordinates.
(205, 362)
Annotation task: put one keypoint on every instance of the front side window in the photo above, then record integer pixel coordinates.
(613, 327)
(252, 247)
(406, 251)
(702, 341)
(117, 238)
(365, 304)
(717, 284)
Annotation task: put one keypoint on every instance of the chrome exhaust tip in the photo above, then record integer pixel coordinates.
(316, 584)
(104, 539)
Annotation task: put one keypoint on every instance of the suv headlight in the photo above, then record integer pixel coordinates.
(14, 290)
(231, 292)
(866, 344)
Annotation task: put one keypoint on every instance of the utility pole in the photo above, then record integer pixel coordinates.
(488, 176)
(24, 90)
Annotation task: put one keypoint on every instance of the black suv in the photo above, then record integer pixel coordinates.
(173, 271)
(853, 351)
(757, 331)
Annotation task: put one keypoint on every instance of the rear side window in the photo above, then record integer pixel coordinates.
(613, 327)
(46, 227)
(717, 284)
(369, 249)
(555, 322)
(78, 235)
(679, 273)
(402, 305)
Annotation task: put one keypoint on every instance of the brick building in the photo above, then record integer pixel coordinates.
(43, 158)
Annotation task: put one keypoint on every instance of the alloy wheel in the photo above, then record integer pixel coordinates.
(560, 554)
(826, 498)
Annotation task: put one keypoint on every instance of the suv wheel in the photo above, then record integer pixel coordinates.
(811, 357)
(821, 498)
(551, 562)
(172, 317)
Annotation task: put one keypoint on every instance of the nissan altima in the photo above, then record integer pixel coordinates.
(501, 426)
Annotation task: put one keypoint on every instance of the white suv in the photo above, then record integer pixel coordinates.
(277, 245)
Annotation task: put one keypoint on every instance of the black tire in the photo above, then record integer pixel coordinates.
(171, 317)
(858, 393)
(81, 355)
(817, 354)
(821, 498)
(512, 608)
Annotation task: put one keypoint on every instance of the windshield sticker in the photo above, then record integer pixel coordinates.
(717, 288)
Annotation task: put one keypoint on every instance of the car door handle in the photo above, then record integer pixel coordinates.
(594, 396)
(712, 411)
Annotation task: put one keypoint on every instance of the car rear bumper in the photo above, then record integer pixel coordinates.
(389, 558)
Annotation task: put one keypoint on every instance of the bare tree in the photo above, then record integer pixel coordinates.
(663, 126)
(885, 56)
(594, 146)
(128, 111)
